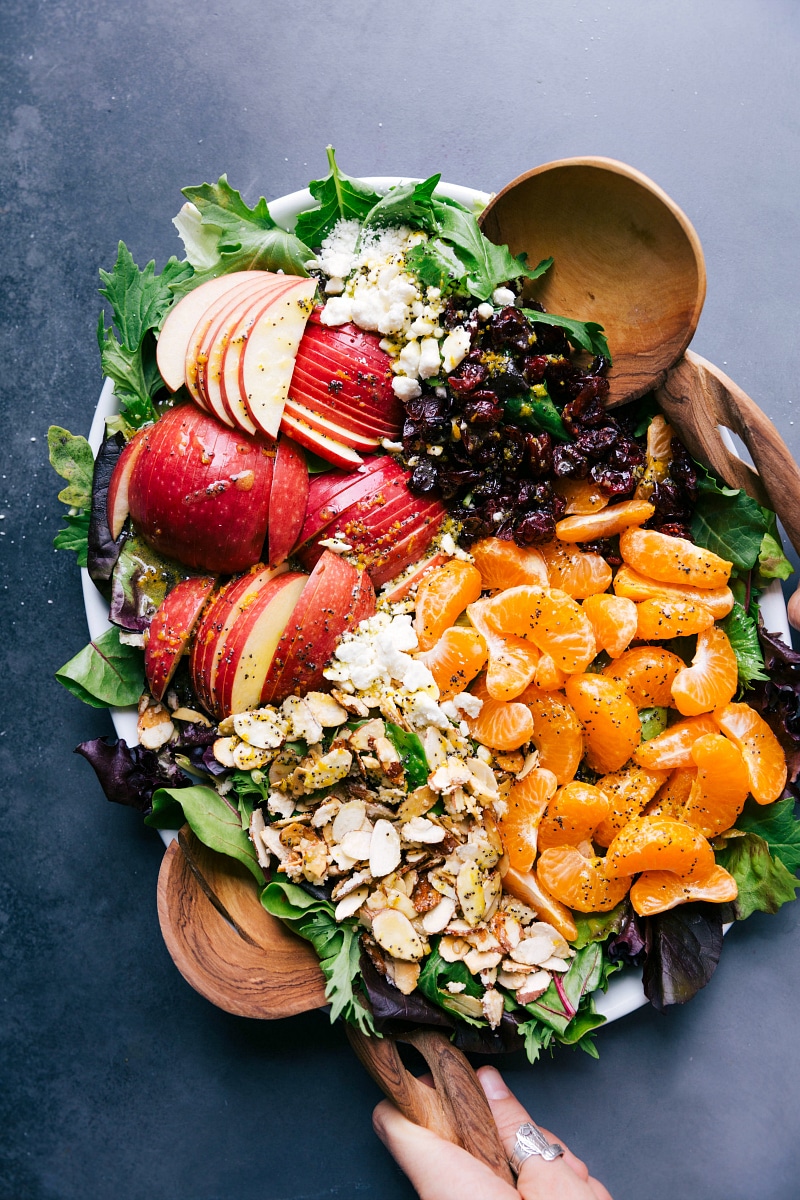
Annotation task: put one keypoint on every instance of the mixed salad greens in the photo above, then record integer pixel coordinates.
(188, 778)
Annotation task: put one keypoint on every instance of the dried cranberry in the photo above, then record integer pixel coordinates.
(676, 530)
(612, 482)
(540, 453)
(483, 408)
(569, 463)
(534, 367)
(509, 327)
(535, 527)
(594, 443)
(608, 547)
(550, 339)
(682, 468)
(467, 377)
(584, 412)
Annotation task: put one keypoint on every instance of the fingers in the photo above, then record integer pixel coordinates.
(437, 1169)
(509, 1115)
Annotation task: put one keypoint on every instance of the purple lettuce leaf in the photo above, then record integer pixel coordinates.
(103, 550)
(778, 700)
(683, 949)
(628, 945)
(130, 775)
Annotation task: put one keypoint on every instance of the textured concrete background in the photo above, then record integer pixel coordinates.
(117, 1080)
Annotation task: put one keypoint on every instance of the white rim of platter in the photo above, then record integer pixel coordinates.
(625, 992)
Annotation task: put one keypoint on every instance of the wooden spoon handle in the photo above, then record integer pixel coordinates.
(455, 1109)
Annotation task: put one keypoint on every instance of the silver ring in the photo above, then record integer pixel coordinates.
(530, 1141)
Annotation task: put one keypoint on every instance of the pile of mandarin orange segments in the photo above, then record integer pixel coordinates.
(565, 652)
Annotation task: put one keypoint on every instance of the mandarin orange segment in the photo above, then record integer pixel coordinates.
(629, 583)
(720, 789)
(581, 495)
(573, 815)
(628, 791)
(512, 660)
(526, 886)
(713, 677)
(647, 672)
(581, 883)
(579, 573)
(673, 747)
(660, 619)
(613, 619)
(547, 675)
(606, 523)
(611, 725)
(671, 797)
(557, 732)
(455, 660)
(548, 617)
(673, 559)
(501, 725)
(657, 891)
(761, 750)
(527, 802)
(658, 844)
(504, 564)
(442, 596)
(659, 455)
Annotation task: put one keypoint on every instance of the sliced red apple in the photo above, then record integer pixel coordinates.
(288, 499)
(118, 498)
(330, 449)
(251, 281)
(199, 492)
(333, 494)
(181, 321)
(224, 609)
(408, 549)
(267, 363)
(346, 435)
(399, 588)
(340, 408)
(322, 614)
(251, 644)
(170, 630)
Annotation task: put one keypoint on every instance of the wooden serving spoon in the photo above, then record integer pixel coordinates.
(628, 257)
(233, 952)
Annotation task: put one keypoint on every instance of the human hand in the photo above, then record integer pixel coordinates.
(440, 1170)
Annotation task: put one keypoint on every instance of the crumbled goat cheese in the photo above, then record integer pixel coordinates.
(503, 296)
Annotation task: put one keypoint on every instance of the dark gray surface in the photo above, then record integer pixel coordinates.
(118, 1081)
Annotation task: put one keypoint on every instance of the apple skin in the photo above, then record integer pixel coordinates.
(331, 494)
(334, 596)
(171, 628)
(251, 642)
(347, 435)
(331, 449)
(199, 492)
(288, 499)
(338, 408)
(404, 586)
(117, 501)
(222, 612)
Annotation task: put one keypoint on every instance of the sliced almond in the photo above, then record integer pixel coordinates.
(351, 703)
(555, 964)
(350, 817)
(470, 1006)
(453, 949)
(416, 804)
(469, 889)
(532, 951)
(482, 960)
(436, 919)
(350, 884)
(436, 748)
(363, 737)
(326, 710)
(250, 758)
(263, 728)
(492, 1004)
(351, 903)
(357, 844)
(326, 771)
(223, 751)
(534, 986)
(422, 831)
(192, 716)
(384, 851)
(404, 975)
(301, 720)
(396, 935)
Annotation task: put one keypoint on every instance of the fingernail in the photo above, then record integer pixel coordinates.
(493, 1084)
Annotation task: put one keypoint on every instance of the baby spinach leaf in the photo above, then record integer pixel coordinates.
(105, 673)
(727, 521)
(340, 198)
(536, 410)
(407, 204)
(434, 977)
(215, 822)
(742, 634)
(778, 826)
(487, 265)
(596, 927)
(248, 238)
(588, 335)
(337, 946)
(412, 754)
(653, 722)
(561, 1001)
(71, 457)
(765, 883)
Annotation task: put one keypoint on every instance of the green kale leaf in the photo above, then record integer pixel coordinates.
(340, 198)
(588, 335)
(487, 265)
(248, 238)
(727, 521)
(778, 826)
(211, 818)
(742, 634)
(75, 536)
(765, 883)
(336, 944)
(71, 457)
(106, 673)
(407, 204)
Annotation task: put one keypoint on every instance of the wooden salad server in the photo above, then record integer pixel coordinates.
(628, 257)
(233, 952)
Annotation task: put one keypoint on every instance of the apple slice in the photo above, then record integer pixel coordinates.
(409, 548)
(340, 408)
(399, 588)
(332, 450)
(267, 363)
(288, 499)
(199, 492)
(323, 613)
(253, 283)
(224, 609)
(251, 642)
(181, 321)
(348, 436)
(334, 493)
(170, 630)
(118, 499)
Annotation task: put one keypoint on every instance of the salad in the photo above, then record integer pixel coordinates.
(468, 670)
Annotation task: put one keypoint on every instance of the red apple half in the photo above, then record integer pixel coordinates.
(117, 500)
(170, 630)
(210, 636)
(199, 492)
(334, 596)
(288, 499)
